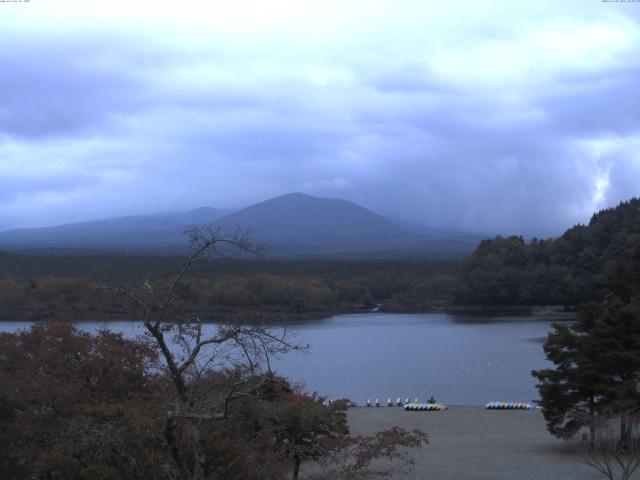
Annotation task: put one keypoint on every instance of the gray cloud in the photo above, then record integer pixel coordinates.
(57, 85)
(492, 120)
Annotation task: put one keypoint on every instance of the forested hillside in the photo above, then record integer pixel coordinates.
(63, 286)
(582, 265)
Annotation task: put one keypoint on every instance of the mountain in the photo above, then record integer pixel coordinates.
(299, 224)
(198, 216)
(162, 230)
(292, 225)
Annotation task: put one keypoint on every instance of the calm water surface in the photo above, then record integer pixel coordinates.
(460, 360)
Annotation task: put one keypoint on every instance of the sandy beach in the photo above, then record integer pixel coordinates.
(475, 443)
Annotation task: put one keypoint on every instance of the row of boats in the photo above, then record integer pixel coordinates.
(434, 406)
(398, 402)
(509, 406)
(421, 407)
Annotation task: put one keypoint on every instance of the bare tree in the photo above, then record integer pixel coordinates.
(613, 449)
(191, 350)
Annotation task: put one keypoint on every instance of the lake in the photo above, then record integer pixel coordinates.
(458, 359)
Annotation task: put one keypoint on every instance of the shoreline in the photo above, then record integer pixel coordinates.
(283, 317)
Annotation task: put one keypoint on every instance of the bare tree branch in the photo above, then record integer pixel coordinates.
(245, 345)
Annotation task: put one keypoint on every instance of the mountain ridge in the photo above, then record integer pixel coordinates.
(294, 224)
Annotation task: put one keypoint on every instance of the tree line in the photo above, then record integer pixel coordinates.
(37, 288)
(585, 264)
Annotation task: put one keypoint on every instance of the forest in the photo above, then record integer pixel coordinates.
(583, 264)
(45, 287)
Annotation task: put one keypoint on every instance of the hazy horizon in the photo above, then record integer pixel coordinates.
(224, 212)
(492, 117)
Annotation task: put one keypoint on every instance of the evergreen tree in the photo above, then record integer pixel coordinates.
(597, 368)
(571, 392)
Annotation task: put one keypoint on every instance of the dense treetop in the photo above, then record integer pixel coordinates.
(582, 265)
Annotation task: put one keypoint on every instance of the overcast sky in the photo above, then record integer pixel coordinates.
(490, 116)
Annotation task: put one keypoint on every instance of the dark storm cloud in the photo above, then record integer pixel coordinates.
(518, 126)
(612, 105)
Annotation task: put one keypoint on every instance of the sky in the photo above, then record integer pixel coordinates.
(485, 116)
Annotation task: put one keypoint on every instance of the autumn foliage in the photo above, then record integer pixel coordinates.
(76, 405)
(80, 406)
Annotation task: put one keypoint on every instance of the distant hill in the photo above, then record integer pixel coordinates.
(293, 225)
(162, 230)
(585, 264)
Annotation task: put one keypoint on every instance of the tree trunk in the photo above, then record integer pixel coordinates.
(296, 466)
(173, 447)
(592, 423)
(625, 432)
(199, 451)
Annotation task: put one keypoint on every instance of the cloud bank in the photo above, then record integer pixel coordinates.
(482, 116)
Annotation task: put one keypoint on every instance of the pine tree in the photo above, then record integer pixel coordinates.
(597, 368)
(571, 392)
